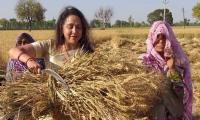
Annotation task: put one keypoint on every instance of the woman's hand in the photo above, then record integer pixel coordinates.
(172, 73)
(33, 66)
(169, 57)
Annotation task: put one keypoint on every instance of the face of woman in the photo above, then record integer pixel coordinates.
(22, 42)
(159, 44)
(72, 30)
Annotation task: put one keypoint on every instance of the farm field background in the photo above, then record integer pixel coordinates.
(8, 37)
(188, 37)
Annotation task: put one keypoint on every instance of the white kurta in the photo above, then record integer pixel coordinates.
(44, 49)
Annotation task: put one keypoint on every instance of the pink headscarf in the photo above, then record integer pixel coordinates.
(171, 42)
(181, 61)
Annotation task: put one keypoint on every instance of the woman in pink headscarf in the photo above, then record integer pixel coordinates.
(164, 54)
(16, 68)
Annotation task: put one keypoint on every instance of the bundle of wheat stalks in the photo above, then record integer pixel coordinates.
(105, 85)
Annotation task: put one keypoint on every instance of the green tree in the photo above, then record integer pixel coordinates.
(29, 11)
(185, 22)
(95, 23)
(4, 23)
(117, 23)
(196, 11)
(137, 24)
(158, 15)
(121, 23)
(12, 23)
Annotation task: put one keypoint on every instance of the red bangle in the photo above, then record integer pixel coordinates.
(28, 60)
(20, 54)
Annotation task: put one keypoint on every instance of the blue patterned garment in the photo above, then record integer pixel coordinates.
(15, 67)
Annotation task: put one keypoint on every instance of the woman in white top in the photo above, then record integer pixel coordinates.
(71, 33)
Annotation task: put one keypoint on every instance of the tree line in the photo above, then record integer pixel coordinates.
(30, 15)
(13, 24)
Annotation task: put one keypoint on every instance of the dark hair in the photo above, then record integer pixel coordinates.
(160, 36)
(84, 42)
(24, 36)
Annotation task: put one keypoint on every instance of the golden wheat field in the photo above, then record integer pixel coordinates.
(189, 39)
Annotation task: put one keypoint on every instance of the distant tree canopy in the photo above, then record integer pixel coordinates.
(121, 23)
(185, 22)
(13, 24)
(95, 23)
(104, 15)
(3, 22)
(158, 15)
(131, 21)
(196, 11)
(29, 11)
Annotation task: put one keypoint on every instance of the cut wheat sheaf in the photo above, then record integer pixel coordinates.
(105, 85)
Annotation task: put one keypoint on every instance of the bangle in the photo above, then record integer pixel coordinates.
(174, 76)
(20, 54)
(28, 60)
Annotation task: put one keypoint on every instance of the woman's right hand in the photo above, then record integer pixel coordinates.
(169, 58)
(33, 66)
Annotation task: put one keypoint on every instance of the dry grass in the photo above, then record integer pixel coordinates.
(107, 84)
(31, 97)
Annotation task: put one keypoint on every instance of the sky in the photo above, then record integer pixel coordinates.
(138, 9)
